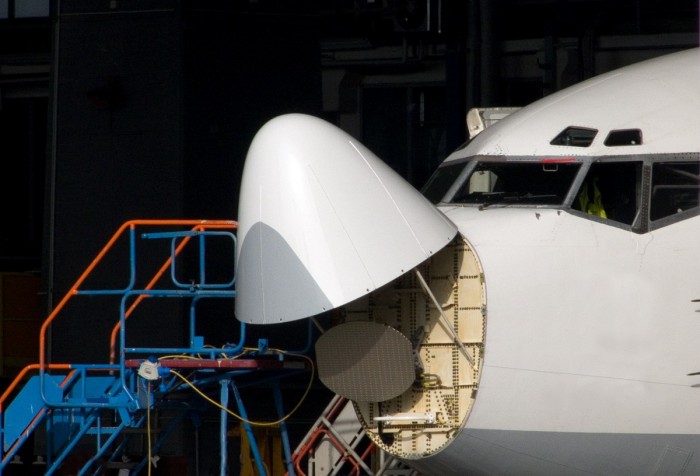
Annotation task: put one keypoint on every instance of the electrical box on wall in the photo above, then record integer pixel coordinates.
(441, 17)
(417, 15)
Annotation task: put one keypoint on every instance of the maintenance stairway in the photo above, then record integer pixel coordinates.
(337, 444)
(103, 405)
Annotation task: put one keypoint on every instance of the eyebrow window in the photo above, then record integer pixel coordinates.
(624, 137)
(575, 136)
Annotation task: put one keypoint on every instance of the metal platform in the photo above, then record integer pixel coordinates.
(105, 404)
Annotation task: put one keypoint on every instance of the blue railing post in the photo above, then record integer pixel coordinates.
(283, 429)
(249, 431)
(224, 425)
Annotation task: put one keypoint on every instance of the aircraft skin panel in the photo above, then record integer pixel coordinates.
(565, 364)
(665, 105)
(554, 402)
(524, 453)
(317, 205)
(597, 323)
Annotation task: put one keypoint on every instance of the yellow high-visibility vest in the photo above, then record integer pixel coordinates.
(595, 206)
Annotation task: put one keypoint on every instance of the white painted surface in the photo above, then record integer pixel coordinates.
(335, 220)
(660, 96)
(590, 328)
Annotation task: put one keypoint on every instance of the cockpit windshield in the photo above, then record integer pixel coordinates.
(441, 181)
(512, 183)
(636, 193)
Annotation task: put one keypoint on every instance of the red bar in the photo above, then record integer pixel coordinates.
(558, 160)
(220, 364)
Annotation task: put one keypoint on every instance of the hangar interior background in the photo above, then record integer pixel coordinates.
(112, 110)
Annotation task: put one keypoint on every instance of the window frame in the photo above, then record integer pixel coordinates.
(642, 222)
(675, 217)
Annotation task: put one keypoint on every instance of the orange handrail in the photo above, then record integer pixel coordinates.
(127, 225)
(43, 366)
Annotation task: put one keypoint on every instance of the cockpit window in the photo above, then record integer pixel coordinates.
(675, 187)
(633, 193)
(575, 137)
(612, 190)
(513, 183)
(441, 180)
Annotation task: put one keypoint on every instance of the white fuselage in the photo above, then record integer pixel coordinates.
(590, 335)
(591, 331)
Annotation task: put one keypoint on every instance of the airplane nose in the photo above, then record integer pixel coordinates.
(323, 221)
(323, 224)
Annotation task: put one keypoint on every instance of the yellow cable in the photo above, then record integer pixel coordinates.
(198, 357)
(254, 423)
(148, 423)
(180, 356)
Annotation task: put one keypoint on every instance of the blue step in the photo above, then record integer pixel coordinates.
(27, 405)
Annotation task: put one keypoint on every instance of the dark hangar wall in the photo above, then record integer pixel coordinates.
(156, 103)
(242, 67)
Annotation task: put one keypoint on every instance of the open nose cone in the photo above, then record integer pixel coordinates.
(323, 221)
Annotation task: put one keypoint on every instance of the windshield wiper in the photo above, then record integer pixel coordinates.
(512, 198)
